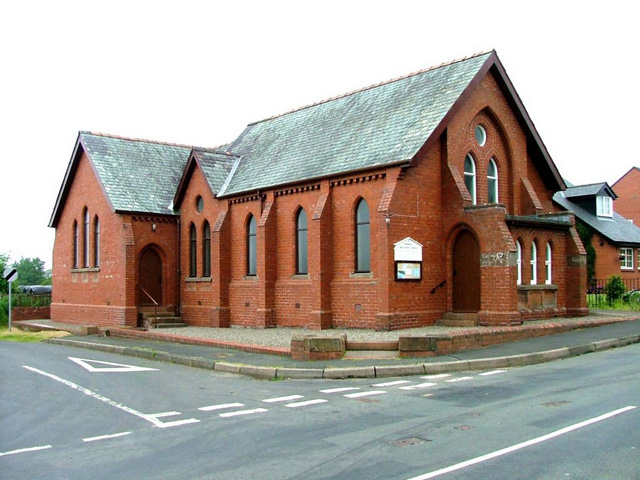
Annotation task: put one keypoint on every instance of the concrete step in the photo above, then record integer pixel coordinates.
(171, 325)
(459, 319)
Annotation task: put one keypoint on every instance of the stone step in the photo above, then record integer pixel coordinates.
(458, 319)
(171, 325)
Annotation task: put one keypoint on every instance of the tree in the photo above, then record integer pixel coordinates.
(4, 261)
(30, 271)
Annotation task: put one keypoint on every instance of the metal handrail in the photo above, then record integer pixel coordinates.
(155, 304)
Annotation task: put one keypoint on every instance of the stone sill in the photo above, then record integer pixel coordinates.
(85, 270)
(198, 279)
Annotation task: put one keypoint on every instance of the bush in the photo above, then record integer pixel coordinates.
(614, 289)
(4, 311)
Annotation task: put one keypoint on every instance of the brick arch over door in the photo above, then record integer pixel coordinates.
(466, 273)
(150, 277)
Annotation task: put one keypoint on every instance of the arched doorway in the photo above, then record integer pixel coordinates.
(466, 273)
(149, 277)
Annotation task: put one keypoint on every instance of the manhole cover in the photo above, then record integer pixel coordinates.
(410, 441)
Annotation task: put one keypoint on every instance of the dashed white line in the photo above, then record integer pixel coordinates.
(492, 372)
(105, 437)
(419, 385)
(391, 384)
(221, 406)
(283, 399)
(459, 379)
(24, 450)
(435, 377)
(306, 403)
(339, 390)
(243, 412)
(365, 394)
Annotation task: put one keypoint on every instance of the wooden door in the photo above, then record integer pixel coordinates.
(150, 277)
(466, 273)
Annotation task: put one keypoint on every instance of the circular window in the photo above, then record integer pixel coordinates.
(481, 135)
(199, 203)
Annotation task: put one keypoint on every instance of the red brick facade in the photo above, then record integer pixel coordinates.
(426, 201)
(628, 190)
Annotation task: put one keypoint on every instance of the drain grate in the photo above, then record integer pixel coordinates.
(410, 441)
(464, 427)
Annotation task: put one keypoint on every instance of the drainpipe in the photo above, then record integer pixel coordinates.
(178, 273)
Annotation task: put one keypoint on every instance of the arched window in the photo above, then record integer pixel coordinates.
(206, 250)
(492, 181)
(547, 264)
(193, 251)
(302, 263)
(96, 241)
(470, 176)
(76, 243)
(252, 246)
(519, 261)
(363, 242)
(534, 263)
(86, 239)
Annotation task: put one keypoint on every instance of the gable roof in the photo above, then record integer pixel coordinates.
(378, 126)
(631, 170)
(617, 228)
(136, 175)
(592, 190)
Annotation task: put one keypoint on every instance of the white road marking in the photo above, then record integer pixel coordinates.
(164, 414)
(152, 418)
(24, 450)
(459, 379)
(365, 394)
(306, 403)
(341, 389)
(243, 412)
(492, 372)
(221, 406)
(419, 385)
(283, 399)
(519, 446)
(435, 377)
(391, 384)
(113, 367)
(105, 437)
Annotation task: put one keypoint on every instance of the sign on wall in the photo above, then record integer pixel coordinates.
(407, 255)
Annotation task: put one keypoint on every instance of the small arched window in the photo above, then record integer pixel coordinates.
(252, 246)
(492, 181)
(547, 265)
(363, 240)
(86, 240)
(193, 247)
(519, 261)
(534, 264)
(470, 176)
(206, 250)
(76, 244)
(302, 261)
(96, 241)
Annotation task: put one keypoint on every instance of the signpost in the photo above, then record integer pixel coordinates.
(10, 274)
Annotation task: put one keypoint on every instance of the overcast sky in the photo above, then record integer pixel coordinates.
(196, 73)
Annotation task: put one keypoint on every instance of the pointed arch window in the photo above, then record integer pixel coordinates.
(492, 181)
(363, 237)
(547, 265)
(76, 244)
(519, 261)
(252, 247)
(302, 261)
(96, 241)
(206, 250)
(534, 263)
(470, 176)
(85, 239)
(193, 247)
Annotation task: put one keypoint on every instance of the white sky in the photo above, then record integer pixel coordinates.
(197, 72)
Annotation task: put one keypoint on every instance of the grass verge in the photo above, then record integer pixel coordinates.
(17, 335)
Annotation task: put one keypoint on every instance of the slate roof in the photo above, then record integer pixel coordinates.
(617, 229)
(374, 127)
(216, 166)
(595, 189)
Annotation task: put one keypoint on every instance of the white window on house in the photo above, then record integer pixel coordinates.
(604, 206)
(492, 181)
(534, 264)
(626, 258)
(519, 261)
(470, 176)
(547, 265)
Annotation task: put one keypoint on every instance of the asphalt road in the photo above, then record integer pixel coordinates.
(72, 419)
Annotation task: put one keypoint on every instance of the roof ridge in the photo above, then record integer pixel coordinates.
(375, 85)
(145, 140)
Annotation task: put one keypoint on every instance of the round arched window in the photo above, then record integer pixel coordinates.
(481, 135)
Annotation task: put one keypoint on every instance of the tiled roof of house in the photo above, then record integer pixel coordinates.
(137, 175)
(617, 228)
(593, 189)
(216, 166)
(373, 127)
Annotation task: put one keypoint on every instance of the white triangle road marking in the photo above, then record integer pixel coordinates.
(110, 368)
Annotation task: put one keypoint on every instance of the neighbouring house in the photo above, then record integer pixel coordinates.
(628, 189)
(612, 238)
(422, 199)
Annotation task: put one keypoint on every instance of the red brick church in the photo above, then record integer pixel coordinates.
(421, 199)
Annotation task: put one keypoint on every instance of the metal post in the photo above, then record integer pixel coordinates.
(10, 306)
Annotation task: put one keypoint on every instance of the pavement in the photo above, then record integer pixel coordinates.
(247, 353)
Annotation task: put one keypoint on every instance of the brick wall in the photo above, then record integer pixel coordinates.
(628, 190)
